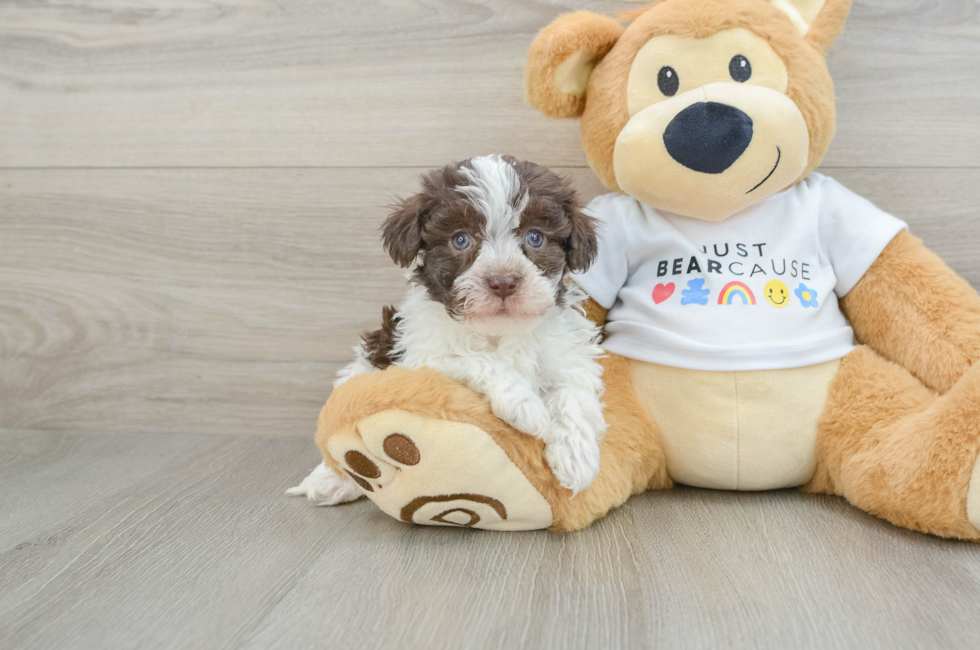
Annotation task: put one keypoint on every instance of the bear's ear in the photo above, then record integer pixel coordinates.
(561, 59)
(821, 21)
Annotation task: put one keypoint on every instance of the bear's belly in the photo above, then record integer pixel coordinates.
(753, 430)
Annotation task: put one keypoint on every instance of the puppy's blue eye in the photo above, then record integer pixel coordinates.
(461, 241)
(534, 239)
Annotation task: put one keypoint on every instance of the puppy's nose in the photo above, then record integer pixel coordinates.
(502, 285)
(708, 137)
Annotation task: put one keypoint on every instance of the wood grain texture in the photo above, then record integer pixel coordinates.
(404, 83)
(223, 301)
(205, 300)
(189, 200)
(184, 541)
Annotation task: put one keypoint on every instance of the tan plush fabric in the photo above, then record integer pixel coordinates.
(632, 454)
(828, 25)
(605, 102)
(457, 474)
(894, 427)
(429, 395)
(736, 430)
(781, 136)
(894, 448)
(885, 442)
(595, 312)
(801, 13)
(780, 144)
(632, 460)
(973, 497)
(562, 58)
(810, 85)
(700, 62)
(912, 309)
(571, 77)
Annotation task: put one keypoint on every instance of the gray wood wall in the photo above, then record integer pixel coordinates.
(190, 196)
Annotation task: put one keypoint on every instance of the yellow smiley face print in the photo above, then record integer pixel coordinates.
(777, 294)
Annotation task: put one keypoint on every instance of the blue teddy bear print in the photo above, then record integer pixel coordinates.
(695, 294)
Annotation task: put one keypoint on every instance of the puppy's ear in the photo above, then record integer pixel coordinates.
(583, 242)
(562, 58)
(402, 230)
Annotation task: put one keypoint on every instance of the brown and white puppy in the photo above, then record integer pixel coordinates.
(490, 241)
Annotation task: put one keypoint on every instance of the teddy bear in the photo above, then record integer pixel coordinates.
(765, 327)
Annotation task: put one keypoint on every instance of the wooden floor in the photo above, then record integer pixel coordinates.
(189, 201)
(185, 541)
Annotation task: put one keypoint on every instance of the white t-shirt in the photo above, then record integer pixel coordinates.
(757, 291)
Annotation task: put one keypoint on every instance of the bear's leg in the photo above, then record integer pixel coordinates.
(894, 448)
(428, 450)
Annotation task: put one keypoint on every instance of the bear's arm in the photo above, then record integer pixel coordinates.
(914, 310)
(595, 312)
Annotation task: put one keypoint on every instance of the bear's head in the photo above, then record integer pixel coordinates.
(697, 107)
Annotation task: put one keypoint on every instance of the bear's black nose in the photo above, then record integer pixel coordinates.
(708, 137)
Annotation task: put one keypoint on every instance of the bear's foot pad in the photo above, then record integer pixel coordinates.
(438, 473)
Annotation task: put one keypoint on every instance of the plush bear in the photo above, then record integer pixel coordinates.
(765, 327)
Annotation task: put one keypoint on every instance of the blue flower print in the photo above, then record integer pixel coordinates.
(807, 296)
(695, 294)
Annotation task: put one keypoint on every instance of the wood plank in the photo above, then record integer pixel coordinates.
(404, 83)
(183, 541)
(204, 300)
(786, 570)
(189, 542)
(223, 301)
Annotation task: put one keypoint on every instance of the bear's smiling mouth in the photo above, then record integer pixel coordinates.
(779, 156)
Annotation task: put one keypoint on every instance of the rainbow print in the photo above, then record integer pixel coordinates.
(733, 290)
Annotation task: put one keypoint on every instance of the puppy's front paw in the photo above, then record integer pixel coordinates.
(325, 487)
(526, 413)
(573, 459)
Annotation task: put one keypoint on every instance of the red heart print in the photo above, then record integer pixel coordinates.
(662, 292)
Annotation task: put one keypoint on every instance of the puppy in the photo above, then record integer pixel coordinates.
(490, 241)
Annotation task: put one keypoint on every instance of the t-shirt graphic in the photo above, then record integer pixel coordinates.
(757, 291)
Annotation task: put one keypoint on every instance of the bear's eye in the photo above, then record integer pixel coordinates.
(668, 81)
(740, 69)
